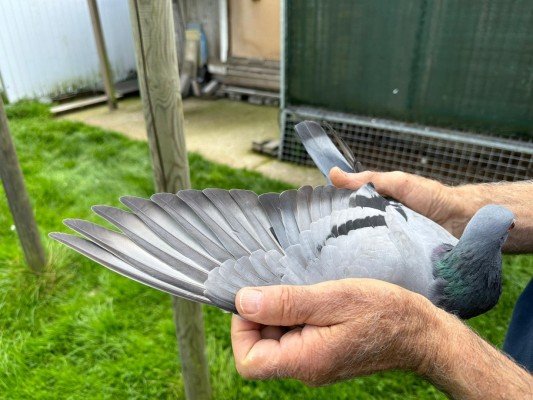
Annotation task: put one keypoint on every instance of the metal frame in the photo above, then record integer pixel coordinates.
(518, 146)
(224, 30)
(282, 77)
(450, 156)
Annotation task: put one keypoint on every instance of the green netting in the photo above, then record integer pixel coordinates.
(460, 64)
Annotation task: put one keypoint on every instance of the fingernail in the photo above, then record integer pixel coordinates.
(251, 300)
(335, 170)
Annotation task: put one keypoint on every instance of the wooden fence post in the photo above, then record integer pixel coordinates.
(157, 69)
(105, 68)
(18, 200)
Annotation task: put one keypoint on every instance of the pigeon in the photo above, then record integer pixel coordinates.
(205, 245)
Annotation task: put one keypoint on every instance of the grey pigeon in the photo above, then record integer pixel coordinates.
(204, 245)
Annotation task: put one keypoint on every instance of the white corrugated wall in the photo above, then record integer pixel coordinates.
(47, 46)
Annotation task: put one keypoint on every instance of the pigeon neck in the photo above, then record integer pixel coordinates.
(467, 278)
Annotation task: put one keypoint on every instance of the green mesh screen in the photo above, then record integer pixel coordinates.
(459, 64)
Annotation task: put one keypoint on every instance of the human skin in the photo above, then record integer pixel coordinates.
(355, 327)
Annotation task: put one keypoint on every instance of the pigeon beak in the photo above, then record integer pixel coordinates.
(511, 226)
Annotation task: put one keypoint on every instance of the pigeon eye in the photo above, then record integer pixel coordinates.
(511, 227)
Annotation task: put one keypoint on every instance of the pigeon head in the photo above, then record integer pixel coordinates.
(468, 276)
(489, 228)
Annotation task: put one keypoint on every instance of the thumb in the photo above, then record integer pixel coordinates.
(342, 179)
(286, 305)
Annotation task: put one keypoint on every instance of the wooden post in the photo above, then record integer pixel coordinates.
(105, 68)
(18, 199)
(157, 69)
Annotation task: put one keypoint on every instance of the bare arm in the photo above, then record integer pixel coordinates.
(356, 327)
(467, 367)
(452, 207)
(516, 196)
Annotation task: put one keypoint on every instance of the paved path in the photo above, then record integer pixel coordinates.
(220, 130)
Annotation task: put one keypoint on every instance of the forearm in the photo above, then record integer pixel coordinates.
(467, 367)
(517, 196)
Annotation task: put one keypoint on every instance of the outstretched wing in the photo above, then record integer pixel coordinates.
(206, 245)
(175, 242)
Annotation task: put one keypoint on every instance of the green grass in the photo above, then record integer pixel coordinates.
(83, 332)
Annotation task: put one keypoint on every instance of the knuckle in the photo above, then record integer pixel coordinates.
(254, 370)
(243, 371)
(289, 309)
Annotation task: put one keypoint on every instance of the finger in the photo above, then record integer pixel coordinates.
(244, 334)
(384, 183)
(394, 183)
(342, 179)
(255, 357)
(293, 305)
(293, 355)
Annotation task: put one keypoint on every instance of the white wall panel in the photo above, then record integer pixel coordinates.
(47, 46)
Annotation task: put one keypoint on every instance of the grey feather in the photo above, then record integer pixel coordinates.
(187, 238)
(303, 217)
(212, 217)
(287, 205)
(314, 204)
(233, 214)
(139, 233)
(250, 206)
(96, 253)
(272, 260)
(321, 148)
(270, 203)
(263, 270)
(123, 248)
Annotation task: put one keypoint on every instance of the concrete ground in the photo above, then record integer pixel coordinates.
(220, 130)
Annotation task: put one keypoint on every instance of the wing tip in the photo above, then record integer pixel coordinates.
(307, 123)
(72, 222)
(101, 209)
(64, 238)
(129, 200)
(56, 235)
(161, 195)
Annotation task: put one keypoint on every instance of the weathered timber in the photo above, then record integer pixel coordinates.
(18, 200)
(105, 68)
(157, 67)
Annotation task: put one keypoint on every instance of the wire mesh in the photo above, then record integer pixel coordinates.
(433, 153)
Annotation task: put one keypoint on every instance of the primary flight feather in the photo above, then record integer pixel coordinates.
(204, 245)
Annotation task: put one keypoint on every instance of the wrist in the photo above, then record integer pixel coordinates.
(469, 199)
(424, 333)
(466, 201)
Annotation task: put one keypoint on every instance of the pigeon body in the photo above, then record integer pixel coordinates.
(206, 245)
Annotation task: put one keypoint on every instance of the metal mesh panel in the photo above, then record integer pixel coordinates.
(449, 156)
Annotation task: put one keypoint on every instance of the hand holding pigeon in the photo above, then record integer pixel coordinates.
(206, 245)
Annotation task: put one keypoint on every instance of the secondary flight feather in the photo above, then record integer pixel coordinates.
(204, 245)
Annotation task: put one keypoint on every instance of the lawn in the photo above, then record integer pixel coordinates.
(83, 332)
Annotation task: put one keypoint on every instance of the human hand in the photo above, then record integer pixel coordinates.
(442, 204)
(340, 329)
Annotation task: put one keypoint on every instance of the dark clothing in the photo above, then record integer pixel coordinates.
(519, 340)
